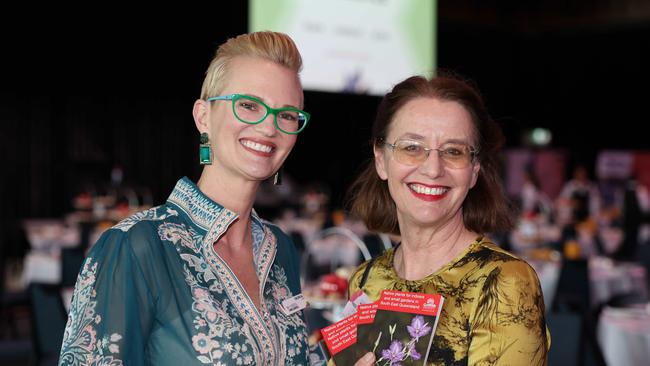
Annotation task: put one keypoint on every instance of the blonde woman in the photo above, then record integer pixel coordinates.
(201, 279)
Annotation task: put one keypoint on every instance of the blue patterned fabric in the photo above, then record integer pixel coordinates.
(152, 291)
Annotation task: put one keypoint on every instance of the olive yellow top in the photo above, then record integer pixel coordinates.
(493, 313)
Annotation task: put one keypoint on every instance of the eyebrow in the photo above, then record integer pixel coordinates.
(458, 141)
(416, 137)
(411, 136)
(262, 99)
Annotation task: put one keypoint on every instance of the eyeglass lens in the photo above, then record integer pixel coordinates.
(455, 156)
(252, 111)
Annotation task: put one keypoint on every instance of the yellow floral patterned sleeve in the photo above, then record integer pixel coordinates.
(508, 326)
(493, 312)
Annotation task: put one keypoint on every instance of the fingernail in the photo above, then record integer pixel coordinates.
(369, 356)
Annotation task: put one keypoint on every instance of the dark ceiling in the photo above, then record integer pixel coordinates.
(551, 63)
(579, 68)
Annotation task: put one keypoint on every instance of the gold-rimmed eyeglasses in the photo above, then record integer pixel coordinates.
(454, 155)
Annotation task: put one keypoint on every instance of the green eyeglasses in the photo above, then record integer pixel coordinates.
(251, 110)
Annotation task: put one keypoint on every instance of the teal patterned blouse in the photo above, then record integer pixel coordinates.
(152, 291)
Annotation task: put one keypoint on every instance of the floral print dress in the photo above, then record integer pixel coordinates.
(152, 291)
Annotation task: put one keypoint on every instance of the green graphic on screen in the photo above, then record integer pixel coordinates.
(356, 46)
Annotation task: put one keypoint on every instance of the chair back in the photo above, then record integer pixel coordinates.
(313, 264)
(566, 336)
(71, 261)
(48, 319)
(336, 230)
(572, 292)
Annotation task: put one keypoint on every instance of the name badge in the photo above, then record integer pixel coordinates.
(293, 304)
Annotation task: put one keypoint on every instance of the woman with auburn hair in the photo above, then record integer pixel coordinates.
(434, 183)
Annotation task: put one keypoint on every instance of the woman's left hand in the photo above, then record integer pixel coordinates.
(367, 360)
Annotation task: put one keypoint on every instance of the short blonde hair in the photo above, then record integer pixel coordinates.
(272, 46)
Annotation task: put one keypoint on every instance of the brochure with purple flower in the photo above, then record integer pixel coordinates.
(398, 328)
(403, 328)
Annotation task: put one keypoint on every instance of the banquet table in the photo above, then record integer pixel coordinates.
(609, 278)
(42, 263)
(624, 335)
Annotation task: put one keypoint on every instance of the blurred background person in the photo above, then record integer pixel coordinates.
(634, 216)
(533, 200)
(581, 195)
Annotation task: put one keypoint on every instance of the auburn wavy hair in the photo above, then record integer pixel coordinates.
(486, 208)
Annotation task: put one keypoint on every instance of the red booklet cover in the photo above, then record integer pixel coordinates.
(340, 339)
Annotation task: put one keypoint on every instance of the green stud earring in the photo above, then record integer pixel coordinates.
(205, 151)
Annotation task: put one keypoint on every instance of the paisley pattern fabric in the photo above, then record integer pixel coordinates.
(493, 313)
(154, 291)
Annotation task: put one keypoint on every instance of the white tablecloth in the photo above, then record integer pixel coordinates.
(624, 336)
(49, 234)
(610, 278)
(41, 267)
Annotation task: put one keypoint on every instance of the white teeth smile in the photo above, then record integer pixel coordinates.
(428, 190)
(256, 146)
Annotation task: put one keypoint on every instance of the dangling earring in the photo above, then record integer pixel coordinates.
(277, 177)
(205, 151)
